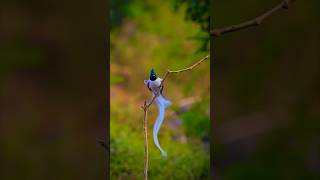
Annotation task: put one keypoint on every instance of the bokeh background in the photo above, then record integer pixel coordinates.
(53, 89)
(266, 122)
(162, 35)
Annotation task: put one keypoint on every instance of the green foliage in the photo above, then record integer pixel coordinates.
(118, 11)
(185, 160)
(127, 157)
(198, 11)
(115, 79)
(197, 120)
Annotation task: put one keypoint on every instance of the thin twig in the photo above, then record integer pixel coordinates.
(146, 149)
(176, 71)
(102, 143)
(253, 22)
(146, 106)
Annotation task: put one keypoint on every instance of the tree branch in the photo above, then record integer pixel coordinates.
(146, 106)
(103, 144)
(253, 22)
(146, 147)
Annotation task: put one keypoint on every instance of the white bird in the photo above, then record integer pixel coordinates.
(153, 83)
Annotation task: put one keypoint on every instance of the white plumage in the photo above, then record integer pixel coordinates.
(162, 104)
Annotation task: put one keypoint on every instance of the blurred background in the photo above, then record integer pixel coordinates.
(53, 89)
(169, 34)
(266, 92)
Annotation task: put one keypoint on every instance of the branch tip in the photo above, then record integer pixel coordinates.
(253, 22)
(102, 143)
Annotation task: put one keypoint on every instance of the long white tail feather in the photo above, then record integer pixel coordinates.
(162, 104)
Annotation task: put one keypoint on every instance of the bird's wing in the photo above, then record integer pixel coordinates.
(147, 82)
(148, 85)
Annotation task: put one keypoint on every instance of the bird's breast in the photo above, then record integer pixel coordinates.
(155, 84)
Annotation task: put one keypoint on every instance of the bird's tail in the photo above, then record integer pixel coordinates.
(162, 104)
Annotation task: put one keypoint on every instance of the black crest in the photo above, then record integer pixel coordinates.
(153, 75)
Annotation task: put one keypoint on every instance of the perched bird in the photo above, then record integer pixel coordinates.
(153, 84)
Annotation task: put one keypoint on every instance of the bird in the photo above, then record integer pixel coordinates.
(153, 84)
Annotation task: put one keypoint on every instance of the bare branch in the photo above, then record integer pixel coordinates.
(103, 144)
(191, 67)
(146, 106)
(253, 22)
(176, 71)
(145, 135)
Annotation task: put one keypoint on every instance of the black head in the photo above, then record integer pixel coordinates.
(153, 75)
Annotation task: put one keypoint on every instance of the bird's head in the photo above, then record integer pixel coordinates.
(153, 75)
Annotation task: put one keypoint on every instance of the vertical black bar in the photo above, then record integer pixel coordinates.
(108, 88)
